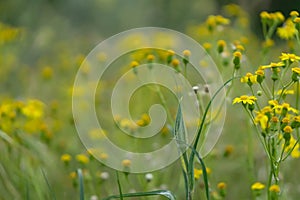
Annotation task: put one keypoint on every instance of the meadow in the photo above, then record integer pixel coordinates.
(240, 102)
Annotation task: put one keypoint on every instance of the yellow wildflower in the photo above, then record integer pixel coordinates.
(257, 186)
(294, 13)
(273, 65)
(285, 92)
(221, 45)
(221, 185)
(103, 156)
(297, 20)
(126, 163)
(265, 15)
(33, 109)
(284, 107)
(245, 99)
(186, 53)
(287, 31)
(288, 129)
(170, 52)
(262, 119)
(199, 172)
(73, 175)
(175, 62)
(296, 70)
(150, 57)
(47, 72)
(268, 43)
(206, 46)
(82, 158)
(274, 188)
(134, 64)
(290, 57)
(66, 158)
(249, 78)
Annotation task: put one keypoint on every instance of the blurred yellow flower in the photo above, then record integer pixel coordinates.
(47, 72)
(33, 109)
(126, 163)
(257, 186)
(274, 188)
(82, 158)
(66, 158)
(287, 31)
(285, 92)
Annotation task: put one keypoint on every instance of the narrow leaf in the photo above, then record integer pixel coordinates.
(48, 185)
(119, 186)
(81, 186)
(165, 193)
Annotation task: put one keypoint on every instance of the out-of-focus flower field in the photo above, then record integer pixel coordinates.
(42, 46)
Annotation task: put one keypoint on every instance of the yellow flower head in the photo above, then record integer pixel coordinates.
(221, 45)
(199, 172)
(274, 188)
(297, 118)
(47, 72)
(206, 46)
(285, 92)
(288, 129)
(273, 65)
(175, 62)
(249, 78)
(257, 186)
(66, 158)
(82, 158)
(186, 53)
(290, 57)
(294, 13)
(171, 52)
(237, 54)
(287, 31)
(126, 163)
(150, 57)
(33, 109)
(297, 20)
(265, 15)
(262, 119)
(296, 70)
(134, 64)
(278, 16)
(73, 175)
(268, 43)
(245, 99)
(221, 185)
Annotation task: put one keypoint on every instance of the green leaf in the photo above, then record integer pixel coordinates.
(6, 137)
(48, 185)
(181, 139)
(191, 159)
(165, 193)
(81, 186)
(119, 186)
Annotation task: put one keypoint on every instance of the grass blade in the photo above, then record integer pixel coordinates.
(205, 177)
(119, 186)
(48, 185)
(81, 186)
(165, 193)
(191, 159)
(180, 135)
